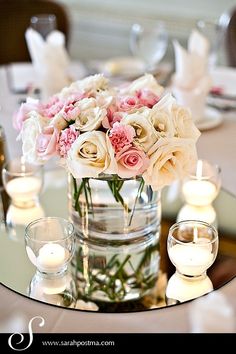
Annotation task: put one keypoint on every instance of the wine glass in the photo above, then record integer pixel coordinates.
(43, 23)
(149, 43)
(214, 34)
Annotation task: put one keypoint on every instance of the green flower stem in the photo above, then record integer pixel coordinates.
(115, 186)
(140, 189)
(77, 204)
(75, 187)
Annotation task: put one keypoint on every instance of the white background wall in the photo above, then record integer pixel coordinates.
(100, 28)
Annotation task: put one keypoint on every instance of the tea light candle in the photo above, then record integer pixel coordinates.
(23, 188)
(191, 259)
(51, 257)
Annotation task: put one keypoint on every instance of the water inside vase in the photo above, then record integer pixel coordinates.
(117, 255)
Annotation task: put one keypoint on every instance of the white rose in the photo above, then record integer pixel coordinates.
(90, 155)
(90, 84)
(184, 124)
(31, 128)
(105, 98)
(145, 134)
(90, 116)
(170, 159)
(162, 122)
(165, 103)
(146, 81)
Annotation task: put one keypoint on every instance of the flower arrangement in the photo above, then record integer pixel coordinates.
(134, 131)
(94, 128)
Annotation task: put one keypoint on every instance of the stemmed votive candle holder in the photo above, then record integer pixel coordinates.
(23, 183)
(202, 186)
(199, 190)
(192, 248)
(50, 246)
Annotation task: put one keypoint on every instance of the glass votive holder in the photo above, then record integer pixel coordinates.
(23, 182)
(192, 247)
(202, 186)
(50, 244)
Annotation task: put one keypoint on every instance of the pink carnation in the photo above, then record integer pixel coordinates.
(52, 107)
(121, 135)
(70, 110)
(131, 162)
(147, 98)
(67, 137)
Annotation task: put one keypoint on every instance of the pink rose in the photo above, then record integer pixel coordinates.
(131, 162)
(22, 114)
(111, 118)
(121, 135)
(67, 137)
(147, 98)
(46, 144)
(128, 103)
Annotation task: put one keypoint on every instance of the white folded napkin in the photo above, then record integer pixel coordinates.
(191, 81)
(50, 60)
(191, 66)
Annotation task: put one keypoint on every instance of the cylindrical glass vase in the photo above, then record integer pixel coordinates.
(117, 223)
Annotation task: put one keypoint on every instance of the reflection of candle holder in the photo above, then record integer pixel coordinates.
(23, 183)
(181, 288)
(192, 247)
(50, 245)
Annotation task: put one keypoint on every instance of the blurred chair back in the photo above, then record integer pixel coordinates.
(15, 19)
(227, 22)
